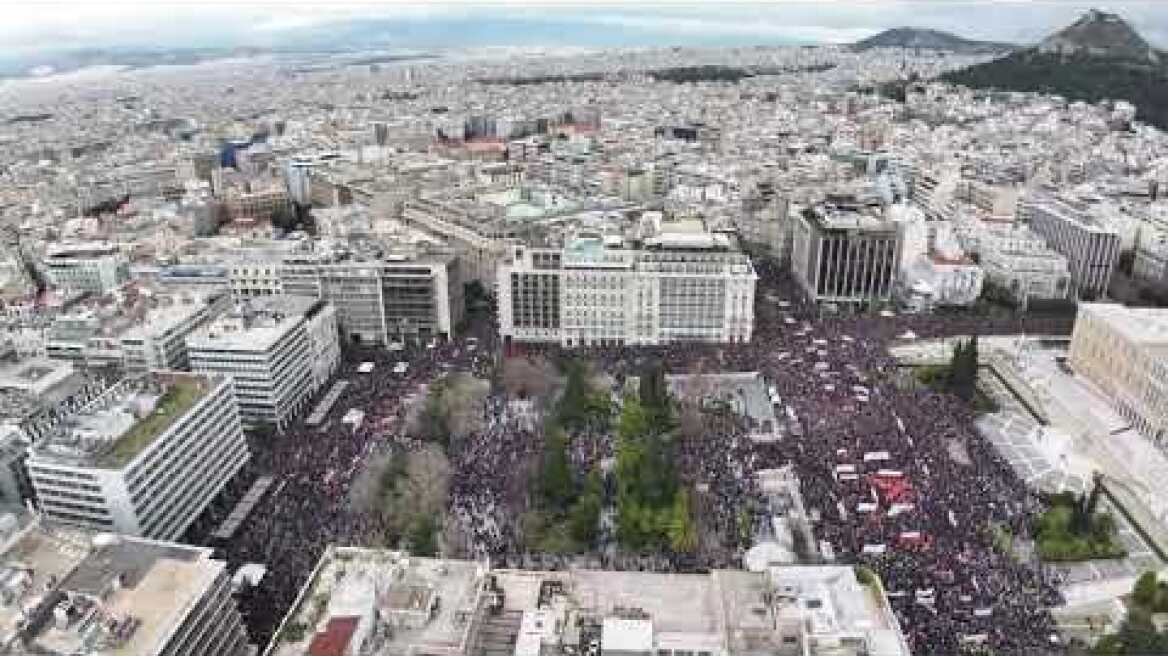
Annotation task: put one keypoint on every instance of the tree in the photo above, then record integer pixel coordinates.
(535, 377)
(421, 536)
(683, 537)
(1144, 592)
(556, 484)
(584, 518)
(1096, 489)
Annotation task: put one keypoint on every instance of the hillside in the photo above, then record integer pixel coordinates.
(1098, 57)
(913, 37)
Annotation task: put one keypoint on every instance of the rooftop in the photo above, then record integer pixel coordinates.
(253, 325)
(99, 594)
(115, 425)
(459, 607)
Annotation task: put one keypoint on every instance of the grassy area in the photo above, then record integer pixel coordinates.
(174, 403)
(1058, 543)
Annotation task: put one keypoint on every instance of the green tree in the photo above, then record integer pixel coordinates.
(556, 485)
(584, 518)
(1144, 592)
(683, 536)
(421, 535)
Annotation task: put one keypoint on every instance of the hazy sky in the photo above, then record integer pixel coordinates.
(33, 25)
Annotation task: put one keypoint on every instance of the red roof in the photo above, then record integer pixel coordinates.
(335, 638)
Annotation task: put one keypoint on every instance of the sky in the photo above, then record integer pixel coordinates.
(32, 26)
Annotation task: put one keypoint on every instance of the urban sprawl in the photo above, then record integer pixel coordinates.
(654, 352)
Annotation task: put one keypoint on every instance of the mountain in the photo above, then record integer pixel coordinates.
(914, 37)
(1099, 34)
(1099, 57)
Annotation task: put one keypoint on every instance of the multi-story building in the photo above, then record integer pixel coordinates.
(105, 594)
(1026, 274)
(278, 351)
(1151, 253)
(845, 255)
(457, 608)
(86, 267)
(676, 287)
(263, 203)
(143, 457)
(1091, 247)
(157, 338)
(1124, 351)
(381, 299)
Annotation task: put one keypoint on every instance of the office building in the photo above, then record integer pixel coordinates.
(676, 287)
(86, 267)
(156, 339)
(1124, 351)
(357, 598)
(844, 254)
(1090, 246)
(278, 351)
(142, 457)
(381, 298)
(93, 594)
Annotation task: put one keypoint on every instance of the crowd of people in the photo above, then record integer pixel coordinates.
(892, 475)
(314, 466)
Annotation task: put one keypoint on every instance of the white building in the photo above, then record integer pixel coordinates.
(279, 351)
(157, 339)
(459, 608)
(678, 287)
(380, 296)
(1125, 352)
(143, 458)
(103, 594)
(86, 267)
(1090, 246)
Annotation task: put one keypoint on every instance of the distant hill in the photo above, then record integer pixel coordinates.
(1098, 57)
(913, 37)
(1099, 34)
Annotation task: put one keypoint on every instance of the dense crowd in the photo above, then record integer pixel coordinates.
(916, 514)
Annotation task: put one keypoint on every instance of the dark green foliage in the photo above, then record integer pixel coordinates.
(1078, 77)
(650, 512)
(962, 372)
(421, 535)
(1144, 592)
(1068, 532)
(556, 485)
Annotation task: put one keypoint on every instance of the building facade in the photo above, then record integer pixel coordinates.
(592, 293)
(95, 268)
(277, 351)
(845, 257)
(1125, 352)
(143, 458)
(379, 301)
(1091, 248)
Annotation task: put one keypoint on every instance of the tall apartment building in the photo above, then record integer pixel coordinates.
(845, 255)
(1124, 351)
(105, 594)
(1091, 248)
(278, 351)
(675, 288)
(144, 457)
(86, 267)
